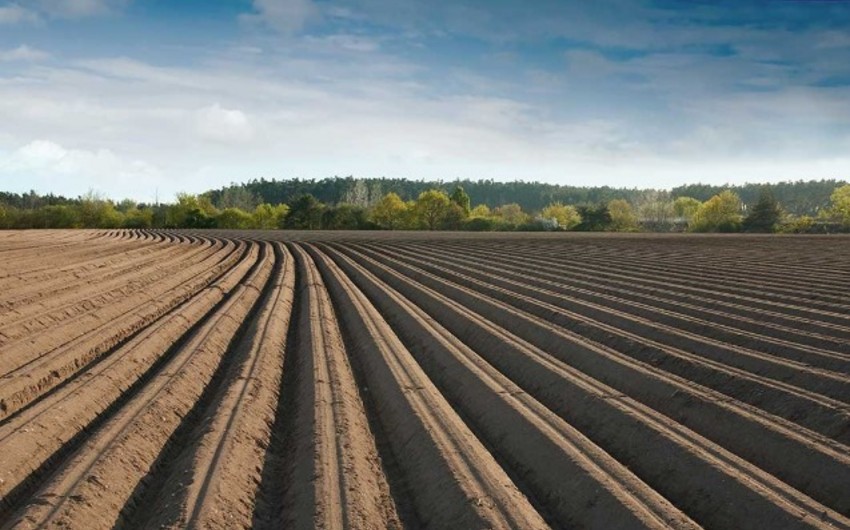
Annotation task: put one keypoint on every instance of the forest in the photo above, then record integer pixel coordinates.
(797, 197)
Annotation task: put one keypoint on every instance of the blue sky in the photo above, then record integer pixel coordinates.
(135, 97)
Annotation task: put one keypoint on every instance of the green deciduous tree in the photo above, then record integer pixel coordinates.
(566, 216)
(410, 218)
(60, 216)
(721, 213)
(138, 218)
(623, 218)
(839, 209)
(190, 211)
(431, 208)
(686, 207)
(268, 217)
(234, 219)
(511, 215)
(454, 217)
(126, 205)
(481, 211)
(97, 212)
(389, 212)
(655, 211)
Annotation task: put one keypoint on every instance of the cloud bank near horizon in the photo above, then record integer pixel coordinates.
(137, 97)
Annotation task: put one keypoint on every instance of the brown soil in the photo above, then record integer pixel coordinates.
(270, 379)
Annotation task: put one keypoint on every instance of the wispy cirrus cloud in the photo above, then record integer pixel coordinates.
(14, 13)
(287, 16)
(23, 53)
(36, 11)
(79, 8)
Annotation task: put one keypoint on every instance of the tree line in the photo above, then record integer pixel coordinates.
(236, 207)
(797, 197)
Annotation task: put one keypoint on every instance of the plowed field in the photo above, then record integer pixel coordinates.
(412, 380)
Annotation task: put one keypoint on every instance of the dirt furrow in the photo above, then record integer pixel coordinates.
(208, 476)
(332, 474)
(136, 250)
(37, 437)
(453, 481)
(726, 421)
(29, 375)
(630, 273)
(748, 284)
(25, 350)
(93, 486)
(83, 298)
(22, 296)
(820, 333)
(278, 379)
(730, 256)
(538, 445)
(736, 269)
(249, 412)
(13, 243)
(37, 242)
(605, 324)
(673, 459)
(79, 258)
(678, 330)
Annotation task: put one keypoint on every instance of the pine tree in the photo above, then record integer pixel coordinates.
(764, 215)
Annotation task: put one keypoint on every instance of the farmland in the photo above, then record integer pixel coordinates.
(273, 379)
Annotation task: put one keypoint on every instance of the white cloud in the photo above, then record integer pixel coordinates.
(34, 11)
(16, 14)
(23, 53)
(346, 42)
(47, 156)
(224, 125)
(48, 166)
(79, 8)
(286, 16)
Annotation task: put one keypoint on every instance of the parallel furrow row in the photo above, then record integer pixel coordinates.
(268, 379)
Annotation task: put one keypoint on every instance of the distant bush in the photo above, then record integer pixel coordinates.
(479, 224)
(346, 217)
(234, 218)
(721, 213)
(138, 218)
(797, 225)
(60, 216)
(594, 218)
(566, 216)
(531, 226)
